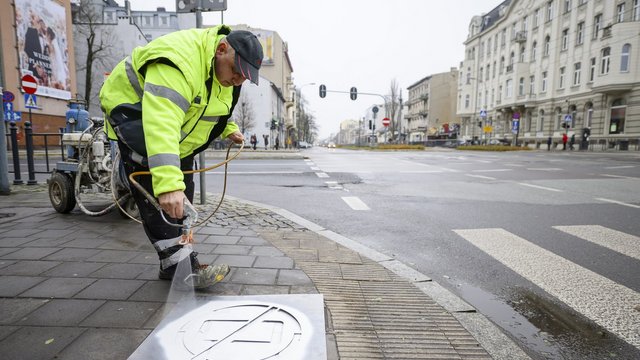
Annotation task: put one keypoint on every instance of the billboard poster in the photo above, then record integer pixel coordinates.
(266, 39)
(41, 29)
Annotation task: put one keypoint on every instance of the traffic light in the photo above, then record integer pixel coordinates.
(479, 124)
(323, 91)
(369, 124)
(273, 124)
(353, 93)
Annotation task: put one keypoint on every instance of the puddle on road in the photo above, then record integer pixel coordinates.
(546, 329)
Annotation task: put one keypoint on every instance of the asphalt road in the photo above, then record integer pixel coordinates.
(545, 244)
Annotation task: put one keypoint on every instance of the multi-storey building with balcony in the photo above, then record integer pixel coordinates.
(432, 106)
(534, 69)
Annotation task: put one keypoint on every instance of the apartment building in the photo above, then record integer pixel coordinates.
(534, 69)
(432, 107)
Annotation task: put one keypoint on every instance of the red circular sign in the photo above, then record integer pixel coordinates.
(29, 84)
(386, 121)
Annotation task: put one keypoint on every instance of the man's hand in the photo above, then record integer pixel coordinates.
(172, 203)
(236, 137)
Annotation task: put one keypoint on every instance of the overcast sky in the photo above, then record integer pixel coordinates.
(361, 43)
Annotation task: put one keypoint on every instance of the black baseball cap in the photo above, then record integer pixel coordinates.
(248, 53)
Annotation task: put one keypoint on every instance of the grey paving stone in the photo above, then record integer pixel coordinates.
(29, 267)
(13, 285)
(125, 314)
(121, 271)
(138, 243)
(158, 316)
(13, 310)
(252, 240)
(7, 250)
(5, 263)
(265, 251)
(222, 240)
(204, 248)
(47, 242)
(58, 288)
(98, 344)
(210, 230)
(264, 289)
(110, 289)
(310, 289)
(223, 288)
(152, 291)
(113, 256)
(31, 253)
(242, 232)
(146, 258)
(14, 241)
(273, 262)
(7, 330)
(232, 249)
(73, 254)
(86, 243)
(254, 276)
(74, 269)
(61, 312)
(37, 342)
(53, 233)
(241, 261)
(293, 277)
(22, 232)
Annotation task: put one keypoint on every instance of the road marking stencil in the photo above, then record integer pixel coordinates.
(355, 203)
(609, 304)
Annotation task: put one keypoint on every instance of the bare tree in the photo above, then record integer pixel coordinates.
(243, 114)
(392, 109)
(93, 46)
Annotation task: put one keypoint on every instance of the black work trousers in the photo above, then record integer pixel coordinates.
(154, 226)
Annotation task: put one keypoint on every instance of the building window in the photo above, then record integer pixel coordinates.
(493, 96)
(559, 118)
(541, 121)
(502, 65)
(164, 21)
(576, 73)
(618, 113)
(567, 6)
(597, 24)
(480, 74)
(565, 39)
(493, 75)
(580, 33)
(589, 115)
(620, 15)
(503, 38)
(636, 10)
(509, 89)
(522, 53)
(604, 64)
(592, 70)
(534, 50)
(547, 45)
(147, 21)
(500, 93)
(561, 79)
(521, 87)
(536, 18)
(488, 74)
(549, 10)
(543, 84)
(512, 58)
(466, 101)
(532, 85)
(624, 58)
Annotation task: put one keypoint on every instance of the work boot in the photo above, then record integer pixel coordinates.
(201, 277)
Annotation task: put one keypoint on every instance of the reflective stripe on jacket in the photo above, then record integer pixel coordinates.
(164, 101)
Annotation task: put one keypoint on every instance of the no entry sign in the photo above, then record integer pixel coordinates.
(29, 84)
(386, 121)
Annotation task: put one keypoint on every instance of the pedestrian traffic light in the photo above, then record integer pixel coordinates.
(323, 91)
(353, 93)
(369, 124)
(479, 124)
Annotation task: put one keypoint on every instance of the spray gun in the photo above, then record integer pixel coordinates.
(190, 217)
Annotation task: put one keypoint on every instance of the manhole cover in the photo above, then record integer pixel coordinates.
(264, 327)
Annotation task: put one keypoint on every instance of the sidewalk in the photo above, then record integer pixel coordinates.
(80, 287)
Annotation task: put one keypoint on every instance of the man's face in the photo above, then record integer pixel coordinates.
(225, 66)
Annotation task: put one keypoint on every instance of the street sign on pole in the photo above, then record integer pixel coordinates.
(30, 101)
(7, 96)
(29, 84)
(386, 121)
(483, 113)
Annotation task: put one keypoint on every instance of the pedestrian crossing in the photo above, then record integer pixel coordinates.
(613, 306)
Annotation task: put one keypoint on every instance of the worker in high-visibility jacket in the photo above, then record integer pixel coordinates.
(165, 103)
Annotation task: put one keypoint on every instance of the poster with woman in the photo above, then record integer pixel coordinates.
(41, 30)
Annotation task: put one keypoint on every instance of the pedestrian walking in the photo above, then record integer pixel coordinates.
(572, 141)
(549, 140)
(166, 102)
(564, 141)
(277, 142)
(254, 141)
(266, 141)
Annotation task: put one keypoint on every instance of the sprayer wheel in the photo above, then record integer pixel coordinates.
(131, 208)
(61, 192)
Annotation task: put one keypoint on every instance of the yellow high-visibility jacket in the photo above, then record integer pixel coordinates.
(165, 103)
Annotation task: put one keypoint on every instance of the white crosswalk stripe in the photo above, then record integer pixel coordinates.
(612, 239)
(609, 304)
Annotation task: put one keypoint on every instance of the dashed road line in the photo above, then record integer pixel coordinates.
(618, 202)
(544, 169)
(481, 177)
(540, 187)
(355, 203)
(615, 240)
(322, 175)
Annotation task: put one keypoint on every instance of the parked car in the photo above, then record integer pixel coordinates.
(303, 145)
(499, 142)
